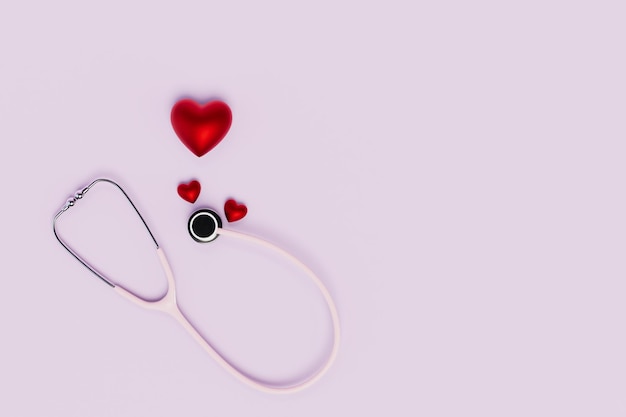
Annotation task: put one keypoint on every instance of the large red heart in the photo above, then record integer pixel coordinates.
(189, 192)
(201, 127)
(234, 211)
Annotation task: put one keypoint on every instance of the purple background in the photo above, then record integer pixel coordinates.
(453, 170)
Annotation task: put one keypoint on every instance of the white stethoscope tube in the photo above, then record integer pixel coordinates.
(169, 304)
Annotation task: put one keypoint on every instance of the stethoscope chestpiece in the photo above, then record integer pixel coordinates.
(203, 225)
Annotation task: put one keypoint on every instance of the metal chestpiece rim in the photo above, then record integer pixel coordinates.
(203, 225)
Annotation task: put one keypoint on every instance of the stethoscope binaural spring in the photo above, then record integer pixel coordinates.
(205, 226)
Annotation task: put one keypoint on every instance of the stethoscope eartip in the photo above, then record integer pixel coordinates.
(203, 225)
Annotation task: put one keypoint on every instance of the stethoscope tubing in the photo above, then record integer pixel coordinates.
(169, 303)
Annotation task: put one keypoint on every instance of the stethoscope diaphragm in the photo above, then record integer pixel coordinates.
(203, 225)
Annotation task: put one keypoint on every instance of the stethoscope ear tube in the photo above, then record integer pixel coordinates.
(71, 202)
(206, 231)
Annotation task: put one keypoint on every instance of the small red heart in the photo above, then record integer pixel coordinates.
(189, 192)
(201, 127)
(234, 211)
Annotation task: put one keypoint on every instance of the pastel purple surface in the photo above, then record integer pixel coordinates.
(453, 171)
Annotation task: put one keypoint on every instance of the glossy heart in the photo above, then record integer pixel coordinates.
(234, 211)
(189, 192)
(200, 127)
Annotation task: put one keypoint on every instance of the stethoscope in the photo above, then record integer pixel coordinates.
(205, 225)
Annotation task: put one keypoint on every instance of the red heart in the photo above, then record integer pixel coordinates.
(234, 211)
(201, 127)
(189, 192)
